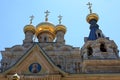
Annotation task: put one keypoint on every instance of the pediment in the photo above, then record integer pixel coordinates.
(35, 61)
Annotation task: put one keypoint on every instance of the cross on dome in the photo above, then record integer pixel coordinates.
(31, 19)
(46, 16)
(90, 6)
(60, 18)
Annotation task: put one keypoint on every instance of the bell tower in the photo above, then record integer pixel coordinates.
(96, 45)
(99, 53)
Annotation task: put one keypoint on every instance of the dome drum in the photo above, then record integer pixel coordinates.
(45, 31)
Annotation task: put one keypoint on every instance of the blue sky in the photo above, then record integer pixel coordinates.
(14, 15)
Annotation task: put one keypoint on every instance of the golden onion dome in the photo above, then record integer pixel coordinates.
(29, 28)
(60, 27)
(92, 16)
(45, 27)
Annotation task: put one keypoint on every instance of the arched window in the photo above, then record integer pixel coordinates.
(99, 35)
(102, 47)
(45, 39)
(89, 51)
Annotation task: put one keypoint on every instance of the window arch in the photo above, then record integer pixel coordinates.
(45, 39)
(89, 51)
(103, 47)
(99, 35)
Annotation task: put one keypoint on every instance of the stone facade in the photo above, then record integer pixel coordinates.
(52, 59)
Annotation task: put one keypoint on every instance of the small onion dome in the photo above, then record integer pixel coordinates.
(60, 27)
(92, 16)
(45, 27)
(29, 28)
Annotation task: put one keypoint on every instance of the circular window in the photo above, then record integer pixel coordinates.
(35, 68)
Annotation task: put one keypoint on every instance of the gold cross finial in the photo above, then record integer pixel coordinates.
(31, 19)
(90, 6)
(46, 16)
(60, 18)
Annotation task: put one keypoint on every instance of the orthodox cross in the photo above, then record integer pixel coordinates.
(46, 16)
(31, 19)
(60, 18)
(90, 5)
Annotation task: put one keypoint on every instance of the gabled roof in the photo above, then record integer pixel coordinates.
(27, 54)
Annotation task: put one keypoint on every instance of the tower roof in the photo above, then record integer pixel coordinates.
(92, 19)
(92, 16)
(29, 28)
(60, 27)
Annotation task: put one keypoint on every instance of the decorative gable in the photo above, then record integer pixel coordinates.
(34, 62)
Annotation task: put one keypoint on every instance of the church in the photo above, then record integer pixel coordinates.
(50, 58)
